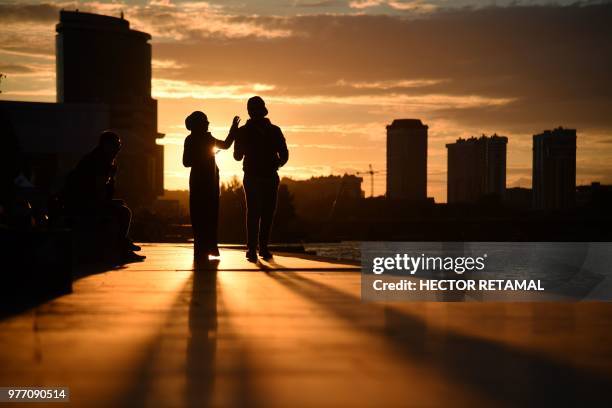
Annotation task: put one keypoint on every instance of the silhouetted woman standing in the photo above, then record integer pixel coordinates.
(199, 154)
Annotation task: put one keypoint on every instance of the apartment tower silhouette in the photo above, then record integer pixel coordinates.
(476, 169)
(407, 160)
(554, 169)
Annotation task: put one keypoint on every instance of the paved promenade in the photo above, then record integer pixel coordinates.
(294, 333)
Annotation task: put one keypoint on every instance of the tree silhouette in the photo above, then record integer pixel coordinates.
(231, 212)
(284, 229)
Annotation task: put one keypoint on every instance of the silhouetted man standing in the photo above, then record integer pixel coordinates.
(262, 146)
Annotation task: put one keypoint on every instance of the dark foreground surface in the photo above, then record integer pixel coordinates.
(294, 333)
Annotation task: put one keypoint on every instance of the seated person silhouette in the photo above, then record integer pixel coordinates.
(263, 148)
(90, 188)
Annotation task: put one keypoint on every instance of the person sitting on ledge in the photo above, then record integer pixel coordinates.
(90, 188)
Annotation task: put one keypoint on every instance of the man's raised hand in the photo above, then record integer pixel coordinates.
(235, 122)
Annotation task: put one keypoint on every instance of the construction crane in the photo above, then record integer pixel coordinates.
(371, 172)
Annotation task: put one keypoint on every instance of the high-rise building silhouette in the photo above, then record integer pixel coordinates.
(554, 169)
(476, 169)
(407, 160)
(103, 82)
(101, 60)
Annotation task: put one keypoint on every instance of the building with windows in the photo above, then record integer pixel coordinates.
(476, 169)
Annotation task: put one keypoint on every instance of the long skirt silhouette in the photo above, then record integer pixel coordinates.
(203, 192)
(204, 209)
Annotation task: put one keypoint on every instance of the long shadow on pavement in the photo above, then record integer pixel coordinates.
(502, 373)
(200, 366)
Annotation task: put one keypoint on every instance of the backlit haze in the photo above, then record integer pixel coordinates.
(335, 73)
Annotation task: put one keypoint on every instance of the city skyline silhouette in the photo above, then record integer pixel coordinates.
(335, 105)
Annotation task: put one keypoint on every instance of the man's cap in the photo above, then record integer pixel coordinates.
(257, 105)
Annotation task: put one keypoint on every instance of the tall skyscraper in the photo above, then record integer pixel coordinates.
(476, 168)
(554, 169)
(407, 160)
(100, 60)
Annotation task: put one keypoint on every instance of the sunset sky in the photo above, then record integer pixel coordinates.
(334, 73)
